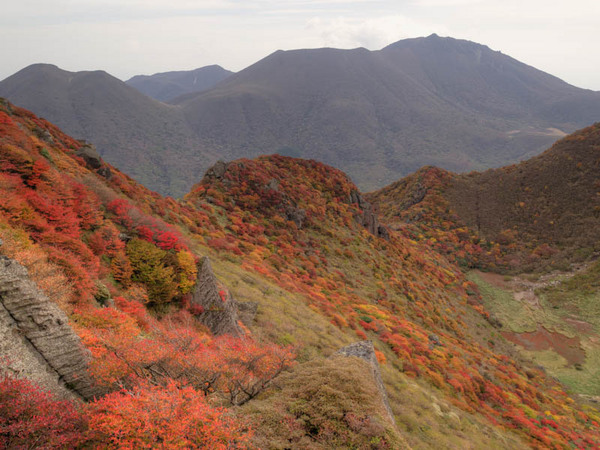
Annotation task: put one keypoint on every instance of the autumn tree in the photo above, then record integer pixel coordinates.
(170, 416)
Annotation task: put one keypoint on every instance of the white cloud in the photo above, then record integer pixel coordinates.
(372, 33)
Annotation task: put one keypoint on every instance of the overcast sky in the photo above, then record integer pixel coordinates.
(130, 37)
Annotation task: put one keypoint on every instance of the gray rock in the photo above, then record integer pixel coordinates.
(246, 312)
(434, 339)
(368, 218)
(90, 155)
(219, 311)
(365, 350)
(125, 237)
(41, 330)
(217, 171)
(296, 215)
(105, 172)
(273, 184)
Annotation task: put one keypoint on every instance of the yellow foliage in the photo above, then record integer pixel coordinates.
(188, 271)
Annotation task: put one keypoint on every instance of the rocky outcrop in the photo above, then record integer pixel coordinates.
(37, 341)
(92, 159)
(218, 309)
(246, 312)
(90, 155)
(368, 218)
(217, 170)
(365, 351)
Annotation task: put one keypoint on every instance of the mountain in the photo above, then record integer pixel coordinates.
(167, 86)
(291, 258)
(545, 210)
(148, 139)
(382, 114)
(378, 115)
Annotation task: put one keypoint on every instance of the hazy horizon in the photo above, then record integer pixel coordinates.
(134, 37)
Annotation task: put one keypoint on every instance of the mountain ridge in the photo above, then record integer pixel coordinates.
(167, 86)
(377, 115)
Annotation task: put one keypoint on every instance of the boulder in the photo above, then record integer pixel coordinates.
(217, 171)
(296, 215)
(218, 308)
(90, 155)
(246, 312)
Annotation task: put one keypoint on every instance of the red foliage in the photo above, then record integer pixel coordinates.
(30, 417)
(166, 417)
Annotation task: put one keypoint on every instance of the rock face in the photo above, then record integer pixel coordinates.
(219, 312)
(90, 155)
(36, 337)
(365, 350)
(217, 170)
(93, 160)
(369, 218)
(247, 312)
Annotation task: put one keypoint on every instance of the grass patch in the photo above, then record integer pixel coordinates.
(514, 315)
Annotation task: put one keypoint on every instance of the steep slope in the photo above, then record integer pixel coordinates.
(146, 138)
(290, 236)
(379, 115)
(167, 86)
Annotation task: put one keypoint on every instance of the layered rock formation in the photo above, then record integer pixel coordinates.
(365, 351)
(218, 309)
(368, 219)
(36, 339)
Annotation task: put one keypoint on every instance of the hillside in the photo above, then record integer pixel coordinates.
(537, 223)
(167, 86)
(147, 139)
(286, 239)
(377, 115)
(542, 212)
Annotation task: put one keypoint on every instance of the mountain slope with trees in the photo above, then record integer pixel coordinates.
(290, 237)
(382, 114)
(144, 137)
(377, 115)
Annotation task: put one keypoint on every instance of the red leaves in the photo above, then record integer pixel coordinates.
(166, 417)
(5, 119)
(121, 207)
(31, 418)
(168, 240)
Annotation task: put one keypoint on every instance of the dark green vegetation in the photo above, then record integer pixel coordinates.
(168, 86)
(377, 115)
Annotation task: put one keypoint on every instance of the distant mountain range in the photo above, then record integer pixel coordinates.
(167, 86)
(378, 115)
